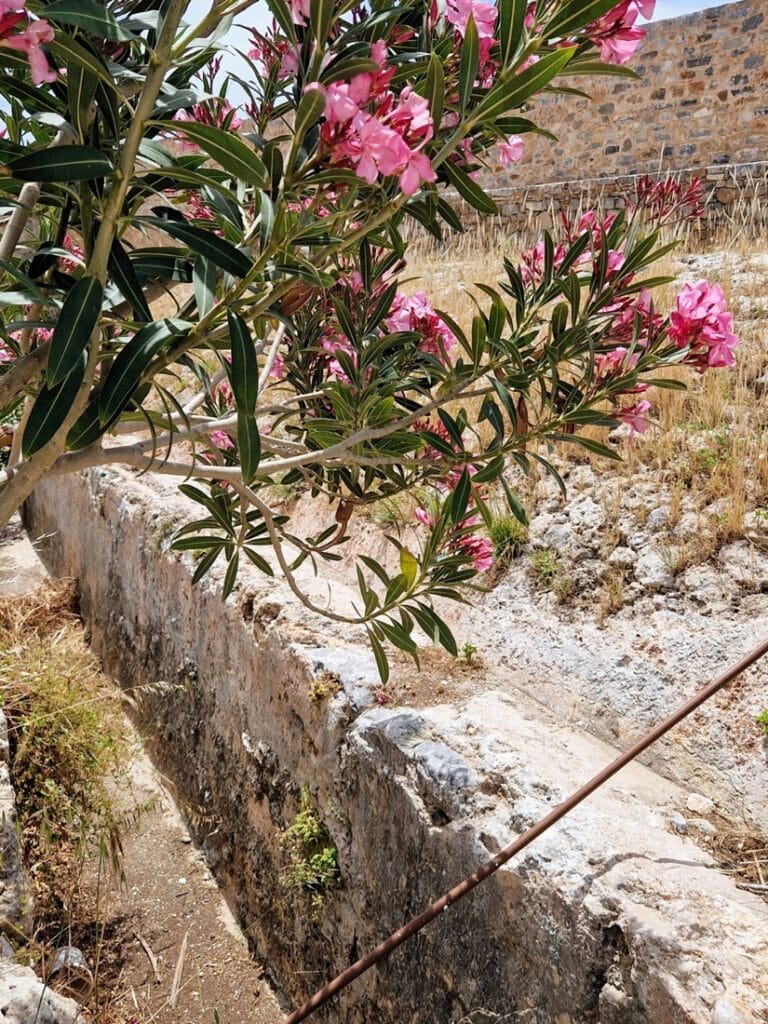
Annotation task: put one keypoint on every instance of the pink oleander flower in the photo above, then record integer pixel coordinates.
(415, 313)
(332, 344)
(458, 12)
(300, 11)
(635, 416)
(422, 516)
(479, 549)
(701, 321)
(69, 266)
(7, 354)
(271, 49)
(534, 58)
(218, 113)
(616, 33)
(221, 439)
(511, 150)
(29, 40)
(618, 359)
(532, 267)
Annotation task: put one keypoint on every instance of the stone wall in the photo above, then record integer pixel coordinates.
(702, 100)
(735, 198)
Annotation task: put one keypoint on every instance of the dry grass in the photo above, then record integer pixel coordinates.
(708, 451)
(67, 738)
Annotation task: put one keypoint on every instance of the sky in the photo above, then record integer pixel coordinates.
(676, 8)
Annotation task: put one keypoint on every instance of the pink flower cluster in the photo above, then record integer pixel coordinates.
(17, 32)
(702, 323)
(376, 133)
(635, 416)
(511, 150)
(415, 313)
(663, 199)
(270, 50)
(478, 549)
(458, 13)
(69, 266)
(217, 112)
(616, 33)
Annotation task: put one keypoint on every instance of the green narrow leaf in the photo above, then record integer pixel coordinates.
(409, 567)
(244, 371)
(382, 664)
(571, 16)
(310, 109)
(125, 278)
(470, 61)
(50, 410)
(62, 163)
(434, 88)
(230, 576)
(511, 24)
(469, 190)
(434, 627)
(205, 243)
(514, 91)
(267, 220)
(249, 444)
(227, 149)
(79, 316)
(204, 283)
(457, 504)
(86, 14)
(130, 365)
(205, 564)
(81, 90)
(320, 18)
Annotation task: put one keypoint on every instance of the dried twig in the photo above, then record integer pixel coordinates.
(177, 974)
(150, 956)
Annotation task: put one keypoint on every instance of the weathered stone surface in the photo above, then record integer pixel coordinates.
(610, 918)
(24, 999)
(15, 898)
(652, 570)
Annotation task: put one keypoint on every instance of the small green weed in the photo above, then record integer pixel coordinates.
(468, 652)
(326, 684)
(762, 719)
(550, 570)
(313, 859)
(509, 537)
(544, 564)
(388, 512)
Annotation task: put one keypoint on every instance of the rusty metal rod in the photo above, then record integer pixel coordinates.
(436, 909)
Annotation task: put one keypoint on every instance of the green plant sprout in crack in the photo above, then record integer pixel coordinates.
(326, 684)
(313, 858)
(468, 652)
(762, 719)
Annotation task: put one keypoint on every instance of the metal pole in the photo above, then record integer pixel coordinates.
(436, 909)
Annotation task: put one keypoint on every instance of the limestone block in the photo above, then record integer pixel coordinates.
(24, 999)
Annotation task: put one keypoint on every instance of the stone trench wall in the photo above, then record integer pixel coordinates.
(610, 918)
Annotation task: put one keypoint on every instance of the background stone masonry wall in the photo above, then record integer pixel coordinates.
(701, 106)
